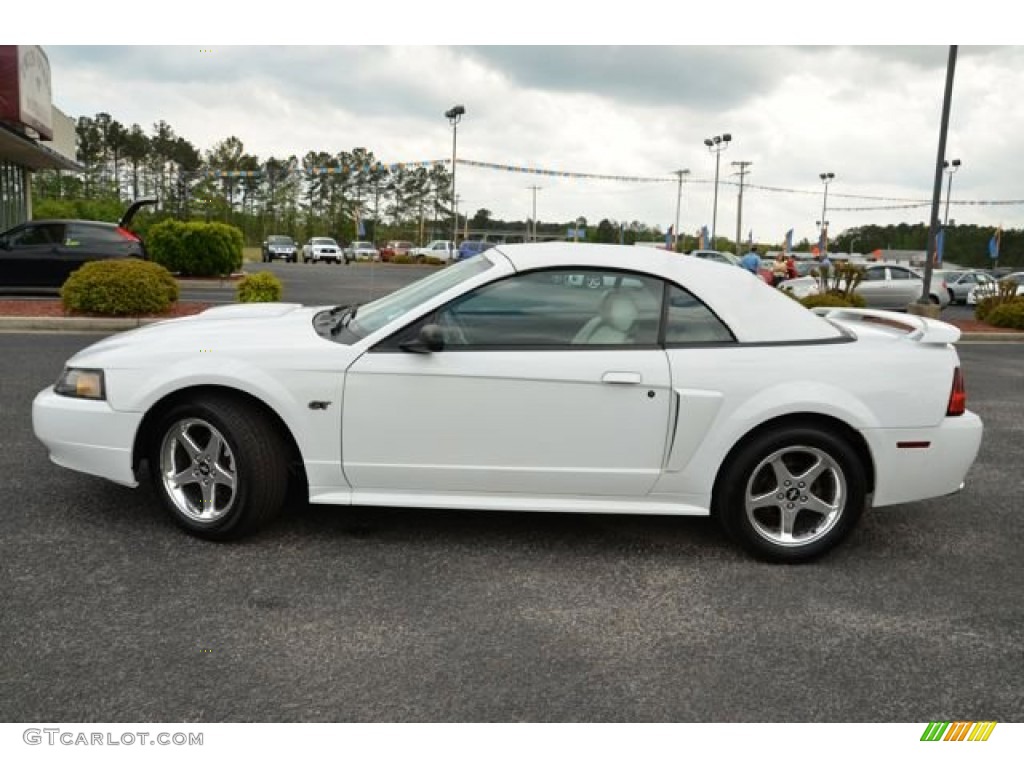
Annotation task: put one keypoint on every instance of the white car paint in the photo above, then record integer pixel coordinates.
(635, 429)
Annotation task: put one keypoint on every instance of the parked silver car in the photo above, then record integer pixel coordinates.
(961, 281)
(885, 286)
(361, 250)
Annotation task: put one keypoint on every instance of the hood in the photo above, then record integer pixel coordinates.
(235, 329)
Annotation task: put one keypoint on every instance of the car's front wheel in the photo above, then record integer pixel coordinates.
(792, 494)
(216, 463)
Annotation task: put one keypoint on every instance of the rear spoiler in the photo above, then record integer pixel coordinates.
(922, 329)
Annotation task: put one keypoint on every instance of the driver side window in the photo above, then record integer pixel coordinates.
(553, 309)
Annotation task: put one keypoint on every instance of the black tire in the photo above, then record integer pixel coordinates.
(934, 299)
(767, 471)
(253, 457)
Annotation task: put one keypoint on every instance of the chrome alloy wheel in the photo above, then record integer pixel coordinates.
(198, 470)
(795, 496)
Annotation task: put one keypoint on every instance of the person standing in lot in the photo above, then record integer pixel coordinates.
(791, 271)
(751, 261)
(779, 268)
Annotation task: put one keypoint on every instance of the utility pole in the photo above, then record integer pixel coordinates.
(535, 189)
(679, 201)
(742, 165)
(933, 219)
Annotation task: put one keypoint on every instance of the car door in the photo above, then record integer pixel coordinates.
(874, 288)
(29, 256)
(520, 400)
(905, 287)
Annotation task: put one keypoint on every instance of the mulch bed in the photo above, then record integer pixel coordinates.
(53, 308)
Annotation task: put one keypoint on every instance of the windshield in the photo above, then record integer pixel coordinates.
(280, 240)
(323, 241)
(379, 313)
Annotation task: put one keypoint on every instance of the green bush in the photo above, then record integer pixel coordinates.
(433, 261)
(1009, 314)
(833, 299)
(196, 248)
(119, 287)
(261, 286)
(984, 307)
(403, 258)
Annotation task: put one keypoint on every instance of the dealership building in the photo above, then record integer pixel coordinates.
(34, 135)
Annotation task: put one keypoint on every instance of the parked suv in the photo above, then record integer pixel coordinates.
(279, 247)
(321, 249)
(41, 254)
(470, 248)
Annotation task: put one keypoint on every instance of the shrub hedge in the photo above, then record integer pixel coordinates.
(119, 287)
(1009, 314)
(196, 248)
(261, 286)
(833, 299)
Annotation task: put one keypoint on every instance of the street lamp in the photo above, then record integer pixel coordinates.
(826, 178)
(679, 200)
(716, 145)
(454, 115)
(950, 168)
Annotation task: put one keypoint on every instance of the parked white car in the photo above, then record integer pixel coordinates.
(319, 249)
(361, 250)
(438, 249)
(681, 387)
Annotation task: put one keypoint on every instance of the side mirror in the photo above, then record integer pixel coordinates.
(430, 339)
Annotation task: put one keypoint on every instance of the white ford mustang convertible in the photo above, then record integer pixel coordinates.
(554, 377)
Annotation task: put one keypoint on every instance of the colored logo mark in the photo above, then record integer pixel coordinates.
(958, 731)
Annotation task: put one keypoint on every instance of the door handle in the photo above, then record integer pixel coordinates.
(622, 377)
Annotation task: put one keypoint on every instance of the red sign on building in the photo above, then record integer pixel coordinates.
(25, 92)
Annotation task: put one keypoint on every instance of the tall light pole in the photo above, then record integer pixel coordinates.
(716, 145)
(743, 165)
(679, 202)
(950, 167)
(535, 188)
(454, 115)
(826, 178)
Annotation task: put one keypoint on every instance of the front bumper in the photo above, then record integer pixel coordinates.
(905, 474)
(86, 435)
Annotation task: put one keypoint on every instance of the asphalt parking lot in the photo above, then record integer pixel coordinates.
(110, 614)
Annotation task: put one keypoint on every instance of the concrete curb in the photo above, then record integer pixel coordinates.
(112, 324)
(59, 324)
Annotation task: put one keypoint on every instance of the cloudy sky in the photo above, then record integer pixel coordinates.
(868, 114)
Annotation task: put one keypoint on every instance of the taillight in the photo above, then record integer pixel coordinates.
(958, 395)
(128, 235)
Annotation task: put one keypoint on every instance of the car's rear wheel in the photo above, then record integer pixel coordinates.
(792, 494)
(217, 465)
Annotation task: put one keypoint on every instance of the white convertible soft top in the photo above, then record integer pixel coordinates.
(754, 310)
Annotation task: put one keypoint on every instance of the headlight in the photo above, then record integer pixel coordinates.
(81, 382)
